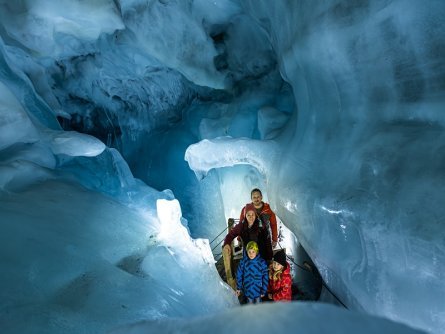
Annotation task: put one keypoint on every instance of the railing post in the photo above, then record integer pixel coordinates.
(230, 224)
(228, 259)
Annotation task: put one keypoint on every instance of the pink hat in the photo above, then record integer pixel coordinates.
(250, 207)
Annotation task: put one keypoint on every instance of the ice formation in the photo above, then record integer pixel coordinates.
(334, 109)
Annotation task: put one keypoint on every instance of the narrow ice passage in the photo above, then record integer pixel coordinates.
(131, 130)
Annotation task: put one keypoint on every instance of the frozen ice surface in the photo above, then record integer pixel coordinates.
(271, 121)
(77, 261)
(15, 125)
(352, 162)
(309, 318)
(54, 28)
(359, 176)
(160, 37)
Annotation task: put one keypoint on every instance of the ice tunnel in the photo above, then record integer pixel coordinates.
(131, 130)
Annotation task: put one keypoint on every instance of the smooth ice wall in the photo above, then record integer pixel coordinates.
(362, 176)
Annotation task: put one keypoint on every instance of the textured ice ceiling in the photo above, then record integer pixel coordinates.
(334, 108)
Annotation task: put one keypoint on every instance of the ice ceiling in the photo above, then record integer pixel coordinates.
(334, 108)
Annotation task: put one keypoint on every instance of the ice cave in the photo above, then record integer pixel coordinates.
(132, 130)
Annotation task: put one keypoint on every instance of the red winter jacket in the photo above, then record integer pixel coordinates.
(266, 215)
(281, 289)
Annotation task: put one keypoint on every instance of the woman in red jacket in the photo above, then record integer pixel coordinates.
(280, 279)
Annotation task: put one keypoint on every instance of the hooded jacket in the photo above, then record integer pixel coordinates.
(281, 289)
(252, 277)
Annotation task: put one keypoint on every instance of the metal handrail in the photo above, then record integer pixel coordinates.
(305, 268)
(219, 243)
(217, 236)
(236, 222)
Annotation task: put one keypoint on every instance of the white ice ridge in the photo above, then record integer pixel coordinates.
(173, 233)
(169, 215)
(74, 144)
(228, 152)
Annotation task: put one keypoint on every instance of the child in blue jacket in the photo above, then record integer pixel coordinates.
(252, 275)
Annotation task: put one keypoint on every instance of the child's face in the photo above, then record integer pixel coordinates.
(277, 266)
(251, 253)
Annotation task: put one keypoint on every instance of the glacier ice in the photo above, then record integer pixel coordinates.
(90, 263)
(175, 50)
(348, 151)
(227, 151)
(15, 125)
(360, 164)
(74, 144)
(271, 121)
(304, 316)
(55, 29)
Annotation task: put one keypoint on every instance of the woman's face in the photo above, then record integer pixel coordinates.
(250, 216)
